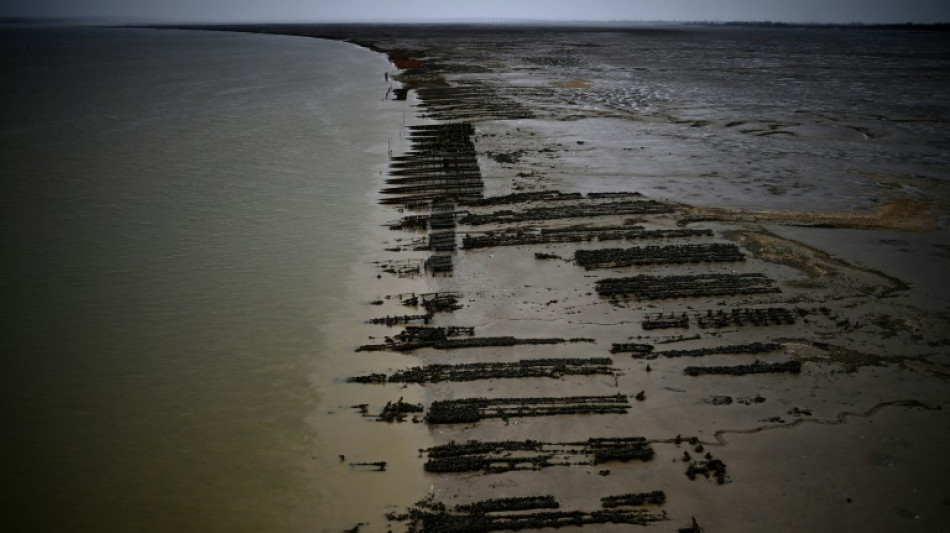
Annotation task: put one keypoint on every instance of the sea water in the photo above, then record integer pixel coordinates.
(182, 213)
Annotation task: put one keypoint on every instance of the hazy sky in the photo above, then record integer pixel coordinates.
(422, 10)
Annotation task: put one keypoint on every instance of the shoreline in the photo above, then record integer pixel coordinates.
(569, 157)
(191, 248)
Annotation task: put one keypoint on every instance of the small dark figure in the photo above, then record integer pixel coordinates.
(694, 529)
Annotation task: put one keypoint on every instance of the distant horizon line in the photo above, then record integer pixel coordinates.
(481, 20)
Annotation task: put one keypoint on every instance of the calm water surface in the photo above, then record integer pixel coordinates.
(180, 211)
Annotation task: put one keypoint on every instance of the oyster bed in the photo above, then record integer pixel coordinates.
(788, 189)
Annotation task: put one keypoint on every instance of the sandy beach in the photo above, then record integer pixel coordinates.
(677, 277)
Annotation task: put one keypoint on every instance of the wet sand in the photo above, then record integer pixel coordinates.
(801, 385)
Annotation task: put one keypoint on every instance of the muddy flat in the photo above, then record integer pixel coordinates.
(751, 224)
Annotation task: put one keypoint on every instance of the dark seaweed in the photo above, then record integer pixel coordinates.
(505, 456)
(631, 207)
(754, 347)
(691, 286)
(397, 411)
(656, 497)
(654, 255)
(550, 368)
(469, 410)
(758, 367)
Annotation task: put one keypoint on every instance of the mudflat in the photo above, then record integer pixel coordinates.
(683, 277)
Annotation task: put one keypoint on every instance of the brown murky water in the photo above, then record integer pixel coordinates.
(182, 216)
